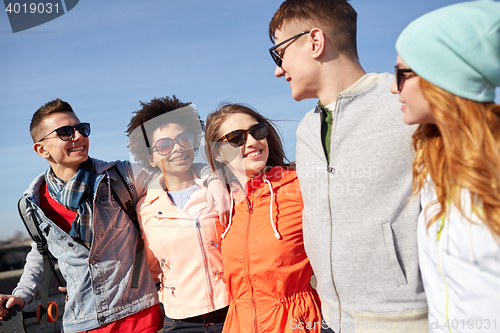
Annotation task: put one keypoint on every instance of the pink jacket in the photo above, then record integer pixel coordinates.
(183, 251)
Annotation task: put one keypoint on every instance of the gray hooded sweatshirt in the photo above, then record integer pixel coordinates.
(360, 233)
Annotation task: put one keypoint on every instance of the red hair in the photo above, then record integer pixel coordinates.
(462, 150)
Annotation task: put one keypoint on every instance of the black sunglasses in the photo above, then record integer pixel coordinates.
(276, 57)
(239, 137)
(401, 77)
(67, 133)
(165, 145)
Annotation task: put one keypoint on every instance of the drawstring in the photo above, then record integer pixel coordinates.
(276, 233)
(230, 217)
(109, 187)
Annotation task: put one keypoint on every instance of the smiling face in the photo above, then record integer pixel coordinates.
(415, 107)
(249, 159)
(177, 162)
(64, 157)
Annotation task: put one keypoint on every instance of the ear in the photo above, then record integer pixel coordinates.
(151, 162)
(39, 148)
(318, 38)
(219, 158)
(217, 153)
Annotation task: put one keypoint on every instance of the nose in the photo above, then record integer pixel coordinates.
(279, 72)
(77, 136)
(251, 141)
(176, 147)
(394, 88)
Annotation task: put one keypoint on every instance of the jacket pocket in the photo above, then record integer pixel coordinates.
(390, 245)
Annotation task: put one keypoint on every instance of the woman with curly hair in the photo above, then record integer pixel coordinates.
(181, 236)
(447, 70)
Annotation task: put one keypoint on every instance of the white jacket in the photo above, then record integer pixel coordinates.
(460, 268)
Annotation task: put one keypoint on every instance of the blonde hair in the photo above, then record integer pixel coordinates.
(462, 150)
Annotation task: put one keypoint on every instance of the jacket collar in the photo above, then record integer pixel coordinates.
(99, 167)
(362, 84)
(156, 189)
(277, 175)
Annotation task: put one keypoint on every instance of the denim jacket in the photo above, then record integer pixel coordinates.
(98, 280)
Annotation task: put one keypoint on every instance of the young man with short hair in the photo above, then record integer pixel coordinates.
(92, 238)
(354, 165)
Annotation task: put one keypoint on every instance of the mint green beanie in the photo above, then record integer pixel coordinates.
(457, 48)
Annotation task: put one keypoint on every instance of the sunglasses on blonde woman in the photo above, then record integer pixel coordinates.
(239, 137)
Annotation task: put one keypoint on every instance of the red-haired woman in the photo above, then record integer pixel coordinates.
(447, 70)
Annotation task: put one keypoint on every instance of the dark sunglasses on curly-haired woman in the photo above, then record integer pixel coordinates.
(165, 145)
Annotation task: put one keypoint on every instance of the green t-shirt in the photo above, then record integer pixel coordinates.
(326, 129)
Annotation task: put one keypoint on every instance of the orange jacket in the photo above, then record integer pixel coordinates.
(269, 278)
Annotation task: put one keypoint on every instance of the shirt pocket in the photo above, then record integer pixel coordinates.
(108, 210)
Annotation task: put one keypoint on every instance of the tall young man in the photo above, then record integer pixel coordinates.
(354, 165)
(92, 238)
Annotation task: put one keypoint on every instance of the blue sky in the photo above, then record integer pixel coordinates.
(103, 57)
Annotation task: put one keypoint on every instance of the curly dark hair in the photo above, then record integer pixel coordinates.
(188, 118)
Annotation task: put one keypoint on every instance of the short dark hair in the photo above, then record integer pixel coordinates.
(215, 120)
(336, 18)
(188, 119)
(54, 106)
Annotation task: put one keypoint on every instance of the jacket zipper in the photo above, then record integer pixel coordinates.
(171, 288)
(247, 267)
(438, 239)
(162, 284)
(332, 171)
(205, 261)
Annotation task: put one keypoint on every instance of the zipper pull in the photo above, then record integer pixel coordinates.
(172, 289)
(219, 274)
(214, 244)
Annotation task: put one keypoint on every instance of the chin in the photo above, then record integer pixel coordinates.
(298, 98)
(254, 169)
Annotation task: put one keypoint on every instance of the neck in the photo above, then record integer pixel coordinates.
(244, 178)
(338, 75)
(64, 173)
(179, 182)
